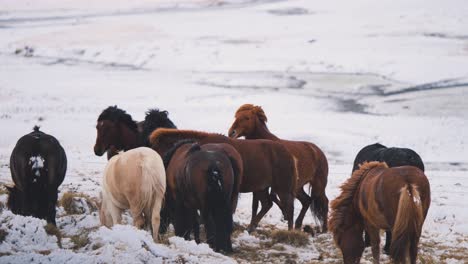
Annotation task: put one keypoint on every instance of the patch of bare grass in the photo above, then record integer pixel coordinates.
(70, 202)
(3, 235)
(52, 230)
(294, 238)
(79, 241)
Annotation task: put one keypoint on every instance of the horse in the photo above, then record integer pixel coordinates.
(116, 130)
(378, 197)
(206, 178)
(134, 180)
(38, 165)
(250, 122)
(266, 164)
(394, 157)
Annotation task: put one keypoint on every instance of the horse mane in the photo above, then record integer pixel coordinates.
(156, 136)
(343, 204)
(115, 114)
(155, 118)
(168, 156)
(257, 110)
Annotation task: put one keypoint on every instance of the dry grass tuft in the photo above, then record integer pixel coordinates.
(79, 241)
(293, 237)
(52, 230)
(3, 235)
(3, 190)
(69, 204)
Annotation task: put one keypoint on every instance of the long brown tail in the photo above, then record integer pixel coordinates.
(408, 224)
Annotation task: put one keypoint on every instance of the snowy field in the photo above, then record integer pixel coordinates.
(341, 74)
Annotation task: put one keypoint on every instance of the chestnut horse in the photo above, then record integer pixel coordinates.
(205, 178)
(378, 197)
(117, 131)
(394, 157)
(266, 164)
(134, 180)
(250, 122)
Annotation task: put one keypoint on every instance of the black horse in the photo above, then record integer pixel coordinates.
(116, 130)
(38, 165)
(206, 178)
(394, 157)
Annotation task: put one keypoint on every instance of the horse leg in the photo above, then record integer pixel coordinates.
(116, 214)
(266, 205)
(305, 200)
(156, 218)
(137, 212)
(51, 203)
(374, 236)
(196, 226)
(388, 241)
(181, 225)
(255, 201)
(209, 228)
(287, 201)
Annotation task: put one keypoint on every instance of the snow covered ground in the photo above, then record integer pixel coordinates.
(342, 74)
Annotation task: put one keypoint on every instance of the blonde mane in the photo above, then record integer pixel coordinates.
(257, 110)
(342, 206)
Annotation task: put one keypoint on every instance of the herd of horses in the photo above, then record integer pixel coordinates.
(164, 176)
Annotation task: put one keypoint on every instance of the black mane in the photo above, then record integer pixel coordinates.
(155, 119)
(168, 155)
(115, 114)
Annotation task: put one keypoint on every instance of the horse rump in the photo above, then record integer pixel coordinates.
(219, 207)
(408, 224)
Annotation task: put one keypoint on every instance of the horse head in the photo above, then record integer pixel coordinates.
(110, 130)
(107, 135)
(247, 119)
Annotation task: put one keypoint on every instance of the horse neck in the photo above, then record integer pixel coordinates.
(130, 138)
(261, 132)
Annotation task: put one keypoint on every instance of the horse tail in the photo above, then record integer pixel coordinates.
(219, 203)
(153, 184)
(408, 224)
(317, 185)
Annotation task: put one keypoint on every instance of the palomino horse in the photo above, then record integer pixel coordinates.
(205, 178)
(394, 157)
(377, 197)
(266, 164)
(117, 131)
(312, 164)
(38, 165)
(134, 180)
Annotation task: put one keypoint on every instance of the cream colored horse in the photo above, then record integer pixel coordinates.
(134, 180)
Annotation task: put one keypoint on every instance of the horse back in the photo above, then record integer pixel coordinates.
(311, 161)
(368, 153)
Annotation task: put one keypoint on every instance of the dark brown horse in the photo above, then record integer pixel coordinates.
(266, 164)
(312, 164)
(205, 178)
(377, 197)
(116, 130)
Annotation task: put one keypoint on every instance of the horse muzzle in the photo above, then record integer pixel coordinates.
(99, 152)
